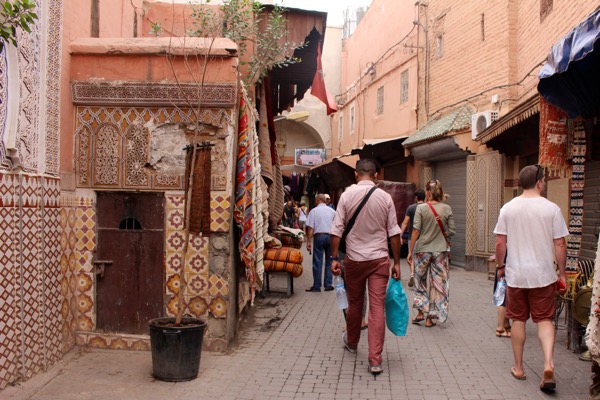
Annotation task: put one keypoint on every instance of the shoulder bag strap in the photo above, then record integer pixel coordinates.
(437, 218)
(350, 223)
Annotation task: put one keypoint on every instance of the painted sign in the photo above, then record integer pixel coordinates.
(309, 157)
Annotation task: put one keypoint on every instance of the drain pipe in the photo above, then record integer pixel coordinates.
(417, 22)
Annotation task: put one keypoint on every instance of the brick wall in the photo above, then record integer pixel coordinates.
(488, 44)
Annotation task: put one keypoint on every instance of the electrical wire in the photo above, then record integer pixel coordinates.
(375, 63)
(466, 99)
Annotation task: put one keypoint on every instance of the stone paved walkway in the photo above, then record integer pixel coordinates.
(291, 348)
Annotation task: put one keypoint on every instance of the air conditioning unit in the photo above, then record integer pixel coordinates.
(480, 121)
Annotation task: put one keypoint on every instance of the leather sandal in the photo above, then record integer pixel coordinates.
(548, 383)
(503, 333)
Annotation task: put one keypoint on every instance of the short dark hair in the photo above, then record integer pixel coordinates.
(420, 193)
(530, 175)
(366, 166)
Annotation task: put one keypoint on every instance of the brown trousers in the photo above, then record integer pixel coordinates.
(376, 274)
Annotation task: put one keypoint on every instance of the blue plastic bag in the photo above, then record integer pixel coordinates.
(396, 308)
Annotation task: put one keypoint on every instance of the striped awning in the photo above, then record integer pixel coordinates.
(523, 111)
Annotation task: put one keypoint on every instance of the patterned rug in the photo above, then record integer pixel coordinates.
(577, 185)
(243, 192)
(553, 140)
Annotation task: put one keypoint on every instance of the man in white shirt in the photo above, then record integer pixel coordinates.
(318, 226)
(534, 230)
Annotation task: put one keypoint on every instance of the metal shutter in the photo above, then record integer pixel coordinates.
(453, 177)
(591, 210)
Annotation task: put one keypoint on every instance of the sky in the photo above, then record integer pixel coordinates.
(334, 8)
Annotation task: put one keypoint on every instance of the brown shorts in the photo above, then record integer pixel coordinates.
(540, 302)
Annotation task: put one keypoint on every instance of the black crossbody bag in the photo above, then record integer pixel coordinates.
(342, 247)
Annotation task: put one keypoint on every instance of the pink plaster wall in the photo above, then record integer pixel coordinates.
(144, 59)
(117, 19)
(76, 24)
(374, 43)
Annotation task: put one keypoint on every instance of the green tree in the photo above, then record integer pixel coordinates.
(15, 14)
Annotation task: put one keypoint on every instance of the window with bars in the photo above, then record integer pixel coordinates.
(379, 100)
(341, 128)
(545, 8)
(404, 87)
(351, 120)
(439, 45)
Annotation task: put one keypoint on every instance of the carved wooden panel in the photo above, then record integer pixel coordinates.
(113, 146)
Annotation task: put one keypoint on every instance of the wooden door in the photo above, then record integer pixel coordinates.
(131, 241)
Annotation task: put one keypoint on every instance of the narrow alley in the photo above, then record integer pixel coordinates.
(292, 348)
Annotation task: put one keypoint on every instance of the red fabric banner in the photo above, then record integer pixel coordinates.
(553, 139)
(318, 86)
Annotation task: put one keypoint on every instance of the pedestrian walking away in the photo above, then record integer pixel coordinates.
(428, 251)
(534, 230)
(288, 214)
(367, 260)
(318, 226)
(408, 222)
(302, 216)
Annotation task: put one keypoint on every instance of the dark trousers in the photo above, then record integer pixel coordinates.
(321, 247)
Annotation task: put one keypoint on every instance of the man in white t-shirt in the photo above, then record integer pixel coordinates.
(534, 230)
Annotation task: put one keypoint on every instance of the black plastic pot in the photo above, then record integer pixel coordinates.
(176, 350)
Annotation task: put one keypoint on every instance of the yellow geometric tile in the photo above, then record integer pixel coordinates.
(172, 262)
(218, 307)
(218, 286)
(197, 284)
(175, 201)
(174, 219)
(220, 213)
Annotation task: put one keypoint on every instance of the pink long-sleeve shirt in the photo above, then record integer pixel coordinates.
(375, 223)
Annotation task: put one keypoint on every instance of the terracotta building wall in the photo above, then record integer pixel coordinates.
(374, 56)
(536, 35)
(488, 44)
(474, 55)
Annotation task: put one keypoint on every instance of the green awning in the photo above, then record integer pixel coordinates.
(456, 121)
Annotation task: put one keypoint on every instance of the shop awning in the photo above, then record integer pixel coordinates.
(456, 121)
(520, 113)
(569, 79)
(336, 173)
(382, 150)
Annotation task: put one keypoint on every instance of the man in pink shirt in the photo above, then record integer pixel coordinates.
(367, 260)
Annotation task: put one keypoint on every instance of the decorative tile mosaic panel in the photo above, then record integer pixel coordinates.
(32, 303)
(220, 213)
(30, 275)
(112, 146)
(214, 95)
(471, 239)
(218, 307)
(114, 341)
(53, 321)
(9, 318)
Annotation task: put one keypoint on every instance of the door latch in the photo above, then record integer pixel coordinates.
(99, 266)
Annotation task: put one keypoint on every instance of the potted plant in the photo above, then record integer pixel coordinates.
(176, 343)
